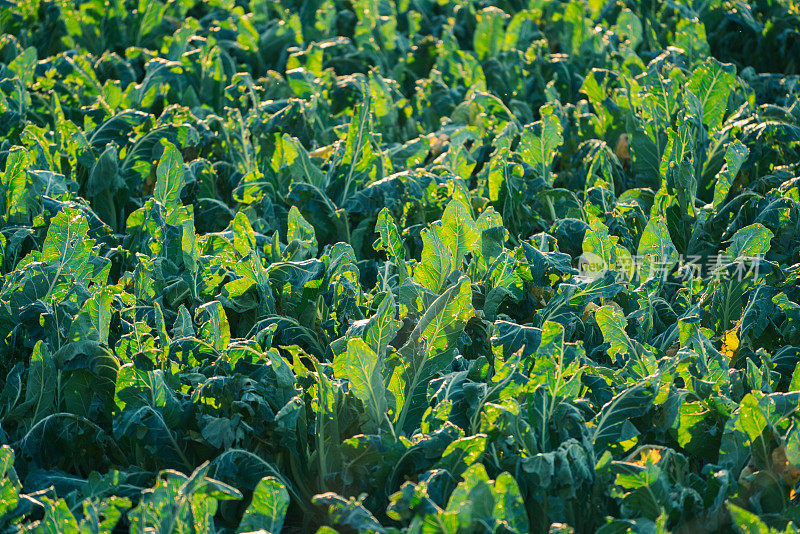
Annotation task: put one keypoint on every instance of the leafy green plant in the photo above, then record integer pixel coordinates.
(355, 266)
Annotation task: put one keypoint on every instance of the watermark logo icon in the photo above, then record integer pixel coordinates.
(591, 265)
(688, 268)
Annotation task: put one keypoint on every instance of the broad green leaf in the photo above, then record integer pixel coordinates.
(40, 389)
(489, 32)
(151, 15)
(521, 30)
(489, 219)
(614, 420)
(161, 326)
(477, 502)
(747, 522)
(94, 319)
(735, 155)
(630, 27)
(294, 155)
(462, 453)
(349, 513)
(177, 503)
(189, 244)
(792, 444)
(9, 483)
(436, 261)
(249, 266)
(598, 244)
(750, 241)
(214, 327)
(690, 36)
(58, 518)
(244, 242)
(759, 311)
(677, 166)
(436, 331)
(169, 177)
(539, 142)
(362, 368)
(491, 243)
(751, 417)
(301, 238)
(268, 508)
(501, 169)
(66, 241)
(357, 154)
(692, 425)
(678, 151)
(656, 253)
(513, 338)
(382, 327)
(67, 249)
(509, 507)
(104, 184)
(183, 326)
(15, 187)
(612, 323)
(24, 65)
(298, 227)
(103, 514)
(391, 242)
(473, 487)
(443, 322)
(712, 83)
(458, 232)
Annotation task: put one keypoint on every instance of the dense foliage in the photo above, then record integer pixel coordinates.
(399, 266)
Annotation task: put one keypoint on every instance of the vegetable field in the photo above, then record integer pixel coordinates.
(399, 266)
